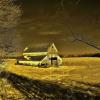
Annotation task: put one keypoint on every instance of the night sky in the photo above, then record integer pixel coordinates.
(46, 21)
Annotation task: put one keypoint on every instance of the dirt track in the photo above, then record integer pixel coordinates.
(40, 90)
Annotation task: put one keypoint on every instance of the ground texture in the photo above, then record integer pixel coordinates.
(77, 79)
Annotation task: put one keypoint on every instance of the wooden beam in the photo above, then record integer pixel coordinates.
(35, 54)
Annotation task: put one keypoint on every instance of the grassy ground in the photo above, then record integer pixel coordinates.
(8, 92)
(78, 69)
(81, 74)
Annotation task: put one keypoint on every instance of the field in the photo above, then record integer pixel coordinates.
(77, 78)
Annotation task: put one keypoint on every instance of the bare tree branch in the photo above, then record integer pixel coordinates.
(76, 38)
(9, 14)
(9, 18)
(77, 2)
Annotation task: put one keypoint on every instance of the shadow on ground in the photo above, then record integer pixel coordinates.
(40, 90)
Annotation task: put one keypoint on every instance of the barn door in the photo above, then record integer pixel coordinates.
(54, 61)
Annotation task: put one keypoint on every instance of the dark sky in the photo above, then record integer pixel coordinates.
(47, 21)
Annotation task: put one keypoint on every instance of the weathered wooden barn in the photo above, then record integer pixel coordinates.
(48, 58)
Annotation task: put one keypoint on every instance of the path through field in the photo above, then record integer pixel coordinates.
(43, 90)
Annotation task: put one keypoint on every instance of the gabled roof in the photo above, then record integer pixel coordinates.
(35, 58)
(31, 49)
(35, 54)
(52, 49)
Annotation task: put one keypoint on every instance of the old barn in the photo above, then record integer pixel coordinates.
(48, 58)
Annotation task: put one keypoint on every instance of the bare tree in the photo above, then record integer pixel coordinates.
(9, 44)
(9, 41)
(78, 1)
(9, 19)
(9, 14)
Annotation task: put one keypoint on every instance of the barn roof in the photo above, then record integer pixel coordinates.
(31, 49)
(35, 58)
(48, 48)
(52, 49)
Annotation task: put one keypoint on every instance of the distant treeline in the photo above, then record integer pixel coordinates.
(61, 55)
(82, 55)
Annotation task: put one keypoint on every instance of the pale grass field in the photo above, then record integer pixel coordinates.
(77, 69)
(8, 91)
(78, 72)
